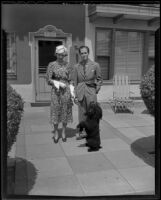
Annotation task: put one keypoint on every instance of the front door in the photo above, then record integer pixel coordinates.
(45, 55)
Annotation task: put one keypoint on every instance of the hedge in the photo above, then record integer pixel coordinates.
(147, 88)
(15, 108)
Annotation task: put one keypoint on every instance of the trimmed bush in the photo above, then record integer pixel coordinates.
(147, 88)
(15, 106)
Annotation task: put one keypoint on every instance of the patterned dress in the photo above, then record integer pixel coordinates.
(61, 102)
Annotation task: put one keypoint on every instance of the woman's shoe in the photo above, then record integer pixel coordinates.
(56, 139)
(64, 139)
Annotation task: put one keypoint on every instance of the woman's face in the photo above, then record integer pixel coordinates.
(60, 57)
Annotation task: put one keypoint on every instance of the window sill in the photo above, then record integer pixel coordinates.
(107, 82)
(110, 82)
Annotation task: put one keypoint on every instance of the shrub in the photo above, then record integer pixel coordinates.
(147, 88)
(15, 106)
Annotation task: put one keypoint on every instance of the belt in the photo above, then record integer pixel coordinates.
(89, 84)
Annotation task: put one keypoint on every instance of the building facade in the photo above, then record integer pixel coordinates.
(121, 39)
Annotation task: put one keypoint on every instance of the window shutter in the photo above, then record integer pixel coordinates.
(135, 55)
(103, 43)
(120, 52)
(103, 51)
(104, 64)
(129, 54)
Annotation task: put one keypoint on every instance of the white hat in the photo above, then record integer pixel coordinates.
(61, 50)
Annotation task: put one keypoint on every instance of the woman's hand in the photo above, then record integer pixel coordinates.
(97, 89)
(76, 101)
(63, 85)
(56, 84)
(72, 90)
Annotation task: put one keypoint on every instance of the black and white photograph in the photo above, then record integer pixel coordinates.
(81, 115)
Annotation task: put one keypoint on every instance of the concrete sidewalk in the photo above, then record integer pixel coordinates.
(123, 166)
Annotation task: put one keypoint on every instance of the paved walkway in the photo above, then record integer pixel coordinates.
(122, 166)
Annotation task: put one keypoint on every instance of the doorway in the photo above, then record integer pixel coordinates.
(45, 55)
(43, 44)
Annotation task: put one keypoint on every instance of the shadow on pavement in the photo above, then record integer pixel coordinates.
(106, 106)
(70, 132)
(145, 112)
(21, 178)
(122, 110)
(144, 148)
(82, 145)
(10, 175)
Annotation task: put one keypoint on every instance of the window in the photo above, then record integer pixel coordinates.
(103, 51)
(11, 55)
(46, 53)
(129, 54)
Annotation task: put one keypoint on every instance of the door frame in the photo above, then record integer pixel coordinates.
(48, 32)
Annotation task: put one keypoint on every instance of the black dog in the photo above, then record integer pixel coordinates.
(91, 126)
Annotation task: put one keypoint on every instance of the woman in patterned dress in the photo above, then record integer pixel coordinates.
(58, 76)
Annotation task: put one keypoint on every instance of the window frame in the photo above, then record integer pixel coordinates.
(113, 36)
(11, 49)
(151, 57)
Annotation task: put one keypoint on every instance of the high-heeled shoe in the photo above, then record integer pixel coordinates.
(56, 139)
(64, 139)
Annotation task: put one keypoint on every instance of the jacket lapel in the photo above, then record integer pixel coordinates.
(89, 67)
(81, 70)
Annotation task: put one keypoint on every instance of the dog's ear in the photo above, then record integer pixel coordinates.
(99, 112)
(91, 112)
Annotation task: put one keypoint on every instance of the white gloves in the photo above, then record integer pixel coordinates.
(62, 84)
(58, 84)
(72, 90)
